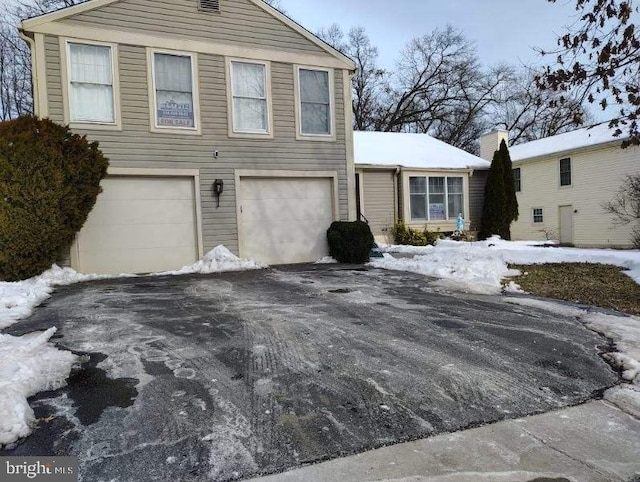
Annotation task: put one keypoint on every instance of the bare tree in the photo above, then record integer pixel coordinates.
(601, 52)
(625, 206)
(529, 113)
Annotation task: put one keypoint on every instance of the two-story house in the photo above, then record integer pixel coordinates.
(563, 181)
(224, 121)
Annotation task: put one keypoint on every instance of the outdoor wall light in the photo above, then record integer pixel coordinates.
(218, 188)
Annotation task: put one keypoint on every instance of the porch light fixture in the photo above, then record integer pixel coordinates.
(218, 188)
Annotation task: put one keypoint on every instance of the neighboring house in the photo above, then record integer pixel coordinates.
(189, 97)
(418, 180)
(562, 183)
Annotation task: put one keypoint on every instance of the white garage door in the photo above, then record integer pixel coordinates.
(140, 225)
(285, 220)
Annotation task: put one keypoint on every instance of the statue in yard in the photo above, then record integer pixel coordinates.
(460, 224)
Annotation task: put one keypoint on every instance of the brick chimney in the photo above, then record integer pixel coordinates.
(490, 143)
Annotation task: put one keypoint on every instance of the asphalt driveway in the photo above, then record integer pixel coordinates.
(225, 376)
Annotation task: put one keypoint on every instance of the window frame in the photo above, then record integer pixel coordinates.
(195, 93)
(427, 193)
(570, 172)
(533, 215)
(517, 182)
(65, 55)
(230, 104)
(331, 137)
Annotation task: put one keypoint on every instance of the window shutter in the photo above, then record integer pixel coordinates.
(209, 5)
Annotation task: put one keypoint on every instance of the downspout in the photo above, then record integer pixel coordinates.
(34, 86)
(396, 198)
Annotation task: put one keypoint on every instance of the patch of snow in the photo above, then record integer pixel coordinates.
(513, 287)
(479, 267)
(326, 260)
(28, 364)
(579, 138)
(625, 397)
(402, 249)
(218, 260)
(411, 150)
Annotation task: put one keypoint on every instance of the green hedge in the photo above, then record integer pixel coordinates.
(350, 242)
(404, 235)
(49, 182)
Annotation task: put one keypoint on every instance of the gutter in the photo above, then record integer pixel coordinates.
(34, 86)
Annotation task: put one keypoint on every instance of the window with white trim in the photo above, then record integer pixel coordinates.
(565, 172)
(538, 215)
(91, 92)
(436, 198)
(173, 87)
(250, 108)
(315, 102)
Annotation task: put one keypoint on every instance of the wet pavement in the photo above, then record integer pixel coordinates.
(227, 376)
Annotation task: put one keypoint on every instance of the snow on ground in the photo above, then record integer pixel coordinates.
(624, 331)
(326, 260)
(30, 364)
(480, 267)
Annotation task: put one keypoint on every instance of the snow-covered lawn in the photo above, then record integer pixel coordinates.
(480, 268)
(30, 364)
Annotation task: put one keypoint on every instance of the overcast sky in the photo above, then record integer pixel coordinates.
(503, 30)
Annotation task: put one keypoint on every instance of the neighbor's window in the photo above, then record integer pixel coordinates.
(91, 96)
(173, 83)
(436, 198)
(315, 102)
(517, 179)
(249, 92)
(565, 172)
(538, 215)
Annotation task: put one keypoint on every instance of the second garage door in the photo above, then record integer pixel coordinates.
(140, 225)
(285, 220)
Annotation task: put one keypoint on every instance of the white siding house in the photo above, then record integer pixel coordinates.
(416, 179)
(562, 183)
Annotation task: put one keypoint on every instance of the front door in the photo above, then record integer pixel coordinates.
(566, 225)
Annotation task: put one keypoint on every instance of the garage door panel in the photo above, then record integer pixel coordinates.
(285, 220)
(140, 225)
(141, 260)
(288, 209)
(139, 212)
(137, 187)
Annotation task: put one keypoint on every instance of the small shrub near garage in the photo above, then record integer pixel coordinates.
(350, 242)
(49, 182)
(405, 235)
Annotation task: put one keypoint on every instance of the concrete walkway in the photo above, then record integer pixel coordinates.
(589, 443)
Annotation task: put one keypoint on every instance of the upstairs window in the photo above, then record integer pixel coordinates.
(250, 102)
(175, 103)
(91, 84)
(565, 172)
(315, 103)
(517, 179)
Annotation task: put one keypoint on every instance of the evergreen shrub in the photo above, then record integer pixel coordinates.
(49, 182)
(350, 242)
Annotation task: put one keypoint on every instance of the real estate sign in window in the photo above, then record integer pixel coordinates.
(174, 91)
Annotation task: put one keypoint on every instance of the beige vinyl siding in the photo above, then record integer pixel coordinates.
(240, 22)
(136, 147)
(476, 199)
(596, 176)
(379, 202)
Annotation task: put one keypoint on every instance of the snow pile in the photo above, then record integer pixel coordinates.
(625, 333)
(218, 260)
(326, 260)
(28, 365)
(480, 267)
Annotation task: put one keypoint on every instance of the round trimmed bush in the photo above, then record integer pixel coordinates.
(350, 242)
(49, 182)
